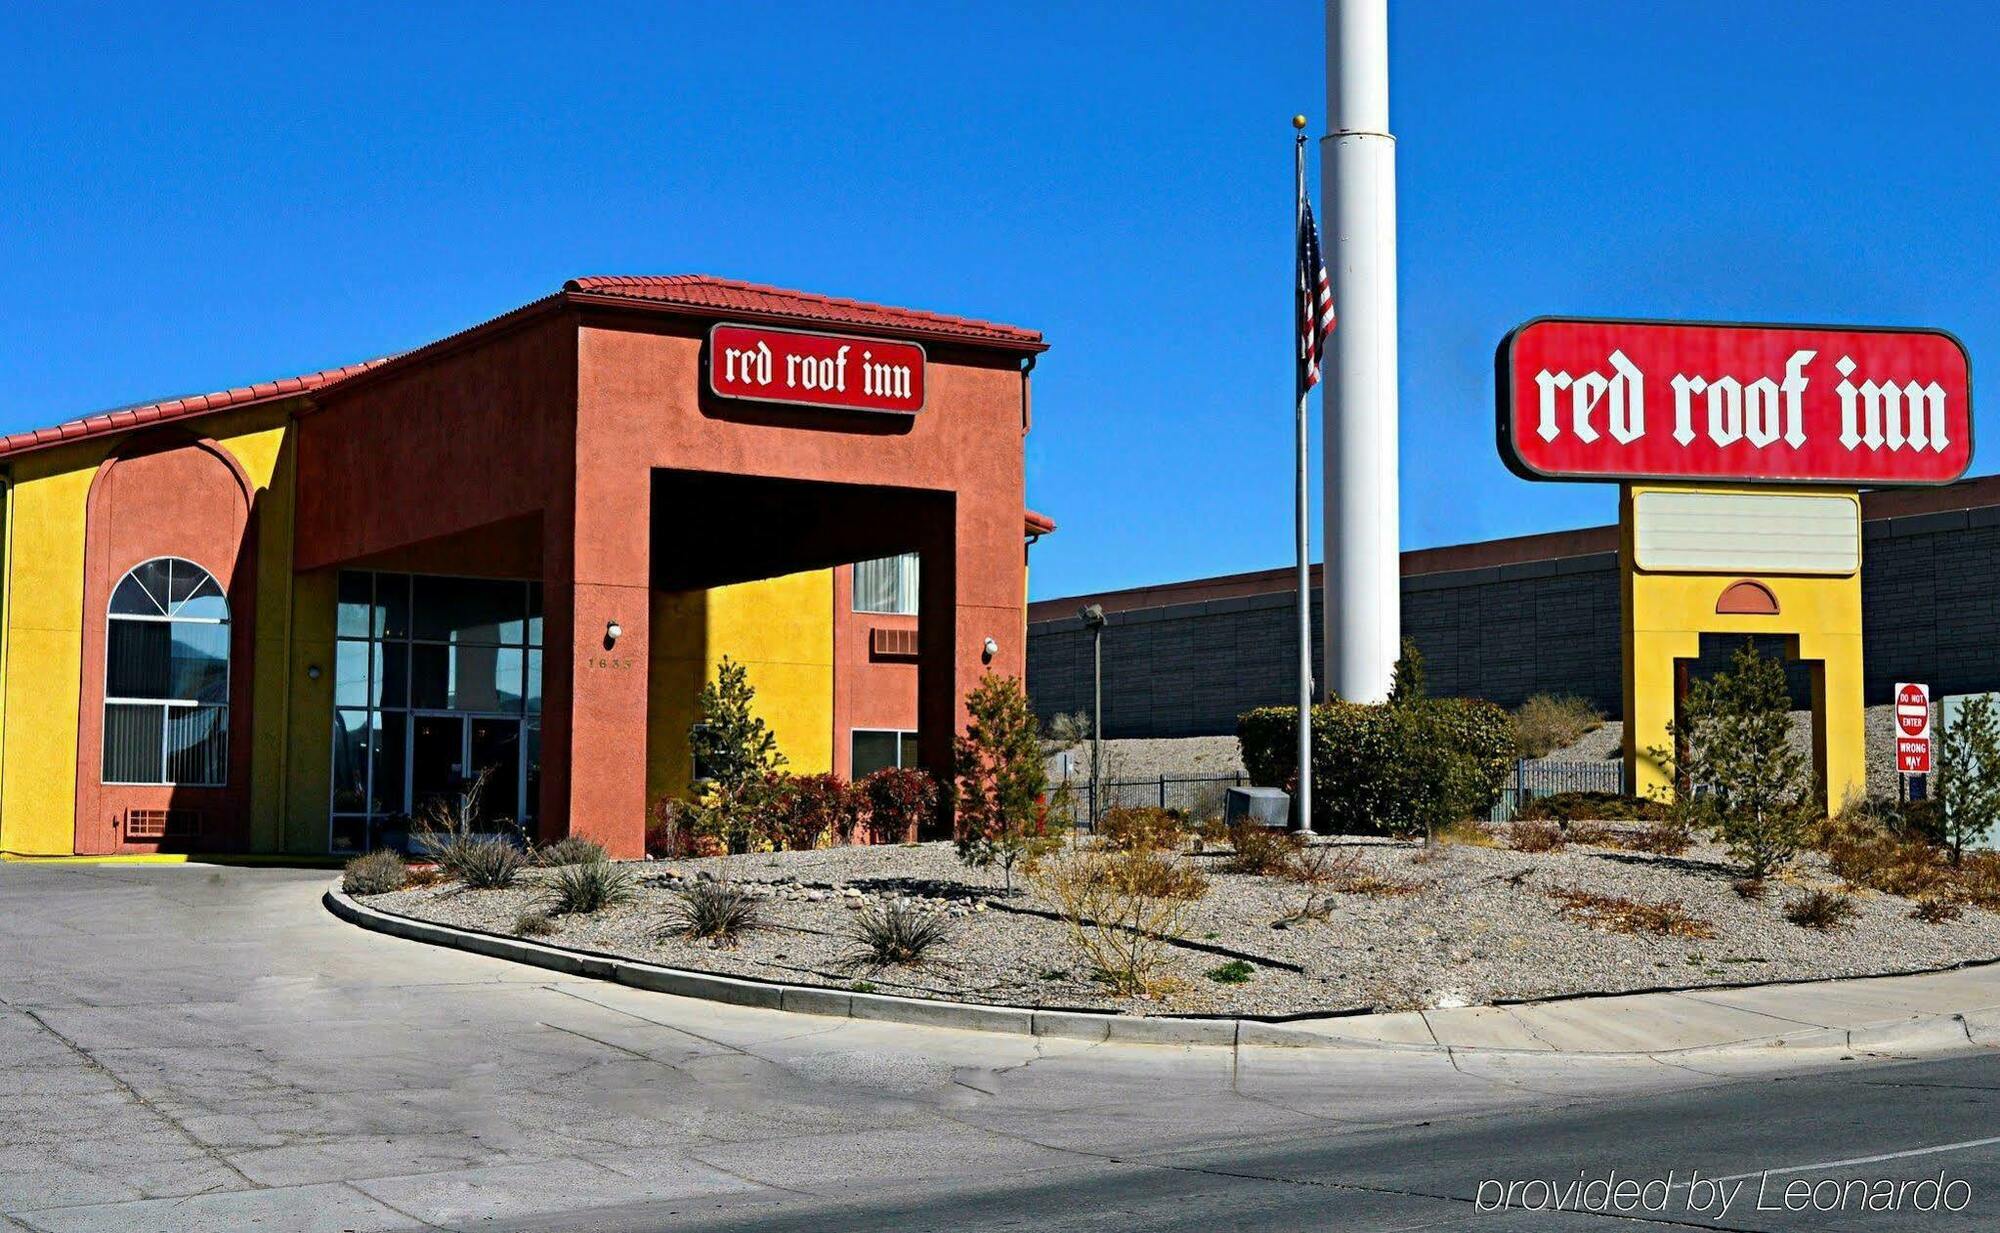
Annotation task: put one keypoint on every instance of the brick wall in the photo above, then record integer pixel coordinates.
(1930, 601)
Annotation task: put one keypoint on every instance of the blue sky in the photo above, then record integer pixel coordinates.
(202, 198)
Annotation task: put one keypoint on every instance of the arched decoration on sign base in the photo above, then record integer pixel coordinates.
(1746, 597)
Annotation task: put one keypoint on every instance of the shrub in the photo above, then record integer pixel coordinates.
(377, 873)
(713, 911)
(735, 755)
(1154, 875)
(898, 800)
(1142, 828)
(1748, 888)
(1259, 850)
(572, 850)
(1933, 911)
(797, 812)
(1001, 816)
(1378, 768)
(1567, 807)
(1235, 972)
(1740, 775)
(670, 833)
(1325, 871)
(1862, 853)
(1536, 837)
(1548, 722)
(1820, 909)
(1469, 833)
(534, 923)
(588, 886)
(1119, 929)
(1615, 914)
(483, 862)
(898, 934)
(1665, 838)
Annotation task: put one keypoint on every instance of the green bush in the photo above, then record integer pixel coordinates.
(485, 862)
(1364, 757)
(1567, 807)
(898, 934)
(713, 911)
(377, 873)
(570, 850)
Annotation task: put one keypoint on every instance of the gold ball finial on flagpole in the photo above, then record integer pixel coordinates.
(1298, 122)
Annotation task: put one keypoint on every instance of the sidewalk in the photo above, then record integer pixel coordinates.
(1931, 1011)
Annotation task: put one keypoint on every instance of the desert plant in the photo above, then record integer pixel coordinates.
(1235, 972)
(1322, 870)
(1664, 838)
(1535, 836)
(1067, 729)
(1002, 818)
(377, 873)
(451, 827)
(1752, 889)
(1469, 833)
(796, 813)
(1259, 850)
(1122, 932)
(590, 885)
(1969, 774)
(1155, 875)
(1821, 910)
(1142, 828)
(1738, 772)
(898, 933)
(713, 911)
(534, 923)
(1569, 807)
(1616, 914)
(1935, 911)
(1864, 853)
(569, 850)
(486, 862)
(1548, 722)
(898, 800)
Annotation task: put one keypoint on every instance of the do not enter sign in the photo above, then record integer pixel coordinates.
(1913, 728)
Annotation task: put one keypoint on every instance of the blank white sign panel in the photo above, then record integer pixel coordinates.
(1747, 533)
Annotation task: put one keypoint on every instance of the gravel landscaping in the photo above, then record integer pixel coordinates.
(1461, 925)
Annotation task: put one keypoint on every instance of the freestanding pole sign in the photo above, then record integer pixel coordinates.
(1913, 728)
(1739, 451)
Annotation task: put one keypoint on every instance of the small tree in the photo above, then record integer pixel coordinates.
(1001, 816)
(1969, 774)
(1735, 765)
(1406, 679)
(734, 751)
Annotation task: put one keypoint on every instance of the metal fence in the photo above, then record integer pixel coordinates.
(1534, 777)
(1203, 795)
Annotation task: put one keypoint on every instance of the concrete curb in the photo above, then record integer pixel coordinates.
(1916, 1033)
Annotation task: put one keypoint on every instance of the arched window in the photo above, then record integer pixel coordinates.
(166, 677)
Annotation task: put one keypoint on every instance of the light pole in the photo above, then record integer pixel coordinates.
(1092, 616)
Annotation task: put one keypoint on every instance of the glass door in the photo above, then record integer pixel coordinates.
(437, 763)
(495, 748)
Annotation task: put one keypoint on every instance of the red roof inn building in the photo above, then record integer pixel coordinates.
(283, 617)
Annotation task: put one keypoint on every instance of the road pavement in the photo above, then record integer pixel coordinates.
(206, 1048)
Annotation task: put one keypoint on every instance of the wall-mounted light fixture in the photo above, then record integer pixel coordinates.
(988, 651)
(312, 672)
(613, 631)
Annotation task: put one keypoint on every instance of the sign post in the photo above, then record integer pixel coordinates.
(1913, 728)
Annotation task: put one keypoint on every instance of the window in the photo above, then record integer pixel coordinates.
(887, 585)
(166, 677)
(875, 749)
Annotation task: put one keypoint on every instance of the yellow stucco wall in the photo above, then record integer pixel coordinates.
(1818, 619)
(780, 630)
(41, 674)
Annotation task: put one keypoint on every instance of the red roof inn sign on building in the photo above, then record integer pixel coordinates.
(1913, 728)
(815, 370)
(1588, 399)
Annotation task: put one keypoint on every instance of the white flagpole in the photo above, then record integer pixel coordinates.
(1304, 307)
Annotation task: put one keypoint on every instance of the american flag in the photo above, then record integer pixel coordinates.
(1315, 297)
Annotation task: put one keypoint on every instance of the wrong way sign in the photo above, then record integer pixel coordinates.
(1913, 728)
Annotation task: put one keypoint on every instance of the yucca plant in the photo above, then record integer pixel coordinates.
(898, 934)
(713, 911)
(588, 886)
(570, 850)
(485, 862)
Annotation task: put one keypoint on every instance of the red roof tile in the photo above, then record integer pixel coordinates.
(1038, 524)
(702, 293)
(124, 418)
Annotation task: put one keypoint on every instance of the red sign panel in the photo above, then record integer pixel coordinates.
(1913, 757)
(815, 370)
(1913, 728)
(1585, 399)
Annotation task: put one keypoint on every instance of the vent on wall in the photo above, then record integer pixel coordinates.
(162, 823)
(886, 643)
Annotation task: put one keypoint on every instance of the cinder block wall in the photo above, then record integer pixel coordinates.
(1931, 612)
